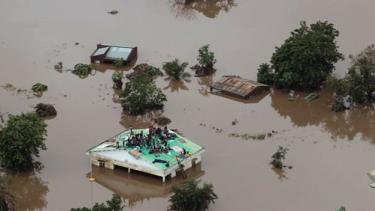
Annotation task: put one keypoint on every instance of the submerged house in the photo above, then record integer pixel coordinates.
(158, 152)
(111, 54)
(238, 87)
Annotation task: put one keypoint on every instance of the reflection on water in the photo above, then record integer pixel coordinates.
(345, 125)
(204, 84)
(176, 86)
(29, 191)
(140, 121)
(209, 8)
(136, 186)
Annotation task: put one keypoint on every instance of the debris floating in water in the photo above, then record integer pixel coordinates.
(371, 175)
(113, 12)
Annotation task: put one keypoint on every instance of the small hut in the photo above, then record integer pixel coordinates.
(238, 87)
(111, 54)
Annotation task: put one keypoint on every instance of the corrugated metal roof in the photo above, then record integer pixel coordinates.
(236, 85)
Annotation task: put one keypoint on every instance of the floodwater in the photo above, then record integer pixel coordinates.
(330, 153)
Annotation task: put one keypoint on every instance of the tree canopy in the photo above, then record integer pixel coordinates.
(359, 82)
(115, 204)
(265, 74)
(141, 94)
(191, 197)
(307, 57)
(21, 140)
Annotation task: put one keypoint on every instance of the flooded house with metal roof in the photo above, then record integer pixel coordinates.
(238, 87)
(159, 152)
(112, 53)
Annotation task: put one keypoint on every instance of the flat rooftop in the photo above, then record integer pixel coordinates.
(155, 154)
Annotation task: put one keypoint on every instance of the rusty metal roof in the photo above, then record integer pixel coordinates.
(236, 85)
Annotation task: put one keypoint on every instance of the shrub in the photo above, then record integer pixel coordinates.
(39, 88)
(278, 157)
(82, 70)
(206, 58)
(115, 204)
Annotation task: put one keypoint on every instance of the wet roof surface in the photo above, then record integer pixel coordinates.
(236, 85)
(118, 53)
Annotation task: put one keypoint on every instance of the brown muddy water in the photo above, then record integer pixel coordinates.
(330, 153)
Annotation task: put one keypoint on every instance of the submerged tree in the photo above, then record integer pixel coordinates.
(141, 94)
(359, 83)
(206, 61)
(191, 197)
(21, 140)
(39, 88)
(175, 70)
(307, 57)
(265, 74)
(115, 204)
(82, 70)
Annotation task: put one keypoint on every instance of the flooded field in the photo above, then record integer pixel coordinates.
(330, 153)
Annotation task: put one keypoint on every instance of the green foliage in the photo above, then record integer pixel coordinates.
(117, 76)
(176, 70)
(120, 63)
(141, 94)
(39, 87)
(191, 197)
(82, 70)
(307, 57)
(20, 140)
(265, 74)
(278, 157)
(115, 204)
(341, 209)
(144, 70)
(206, 58)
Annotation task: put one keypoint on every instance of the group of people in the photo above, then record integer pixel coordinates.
(155, 140)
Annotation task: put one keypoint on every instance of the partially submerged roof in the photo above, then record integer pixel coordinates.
(116, 149)
(111, 53)
(238, 86)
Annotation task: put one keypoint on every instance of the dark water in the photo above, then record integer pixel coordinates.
(330, 153)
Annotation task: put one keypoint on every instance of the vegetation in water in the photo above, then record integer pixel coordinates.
(175, 70)
(359, 83)
(45, 110)
(206, 61)
(190, 196)
(21, 139)
(117, 79)
(120, 63)
(144, 70)
(39, 88)
(278, 157)
(265, 74)
(113, 12)
(141, 94)
(82, 70)
(115, 204)
(306, 58)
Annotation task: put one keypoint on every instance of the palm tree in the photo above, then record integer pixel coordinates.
(175, 70)
(191, 197)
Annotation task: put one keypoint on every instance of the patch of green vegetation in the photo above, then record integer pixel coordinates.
(39, 88)
(265, 74)
(115, 204)
(190, 196)
(82, 70)
(305, 59)
(21, 139)
(113, 12)
(145, 70)
(141, 94)
(359, 83)
(175, 70)
(206, 58)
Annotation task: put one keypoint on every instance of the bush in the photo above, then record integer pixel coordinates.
(175, 70)
(115, 204)
(39, 88)
(307, 57)
(144, 70)
(21, 140)
(45, 110)
(206, 58)
(265, 74)
(82, 70)
(191, 197)
(141, 94)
